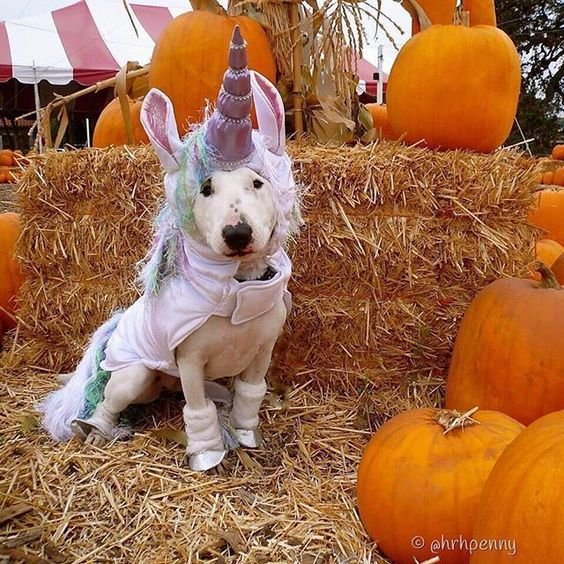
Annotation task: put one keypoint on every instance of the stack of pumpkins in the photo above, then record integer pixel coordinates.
(472, 485)
(452, 86)
(10, 165)
(188, 63)
(555, 174)
(547, 214)
(465, 484)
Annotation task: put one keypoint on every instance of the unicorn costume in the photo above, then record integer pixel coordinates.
(186, 282)
(151, 329)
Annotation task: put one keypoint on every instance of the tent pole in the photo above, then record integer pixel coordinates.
(380, 84)
(88, 132)
(37, 109)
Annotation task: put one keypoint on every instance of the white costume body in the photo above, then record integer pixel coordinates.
(149, 331)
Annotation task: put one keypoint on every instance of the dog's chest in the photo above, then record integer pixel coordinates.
(225, 349)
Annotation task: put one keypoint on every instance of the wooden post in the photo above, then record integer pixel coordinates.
(121, 90)
(297, 68)
(107, 83)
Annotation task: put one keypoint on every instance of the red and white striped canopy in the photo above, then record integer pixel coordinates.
(86, 41)
(90, 40)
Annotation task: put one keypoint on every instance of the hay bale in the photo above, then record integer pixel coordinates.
(397, 242)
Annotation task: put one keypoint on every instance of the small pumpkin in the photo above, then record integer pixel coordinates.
(421, 475)
(547, 213)
(380, 121)
(558, 269)
(445, 89)
(508, 353)
(548, 251)
(190, 58)
(110, 127)
(547, 177)
(6, 157)
(522, 499)
(11, 277)
(558, 178)
(558, 152)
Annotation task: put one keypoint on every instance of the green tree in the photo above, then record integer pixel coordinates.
(537, 29)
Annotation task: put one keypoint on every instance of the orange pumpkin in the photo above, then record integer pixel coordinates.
(379, 113)
(547, 177)
(445, 88)
(6, 157)
(190, 59)
(508, 353)
(11, 277)
(548, 251)
(558, 152)
(558, 269)
(438, 11)
(482, 12)
(547, 213)
(522, 499)
(558, 178)
(110, 127)
(418, 480)
(7, 174)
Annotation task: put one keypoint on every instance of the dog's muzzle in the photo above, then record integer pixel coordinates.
(237, 237)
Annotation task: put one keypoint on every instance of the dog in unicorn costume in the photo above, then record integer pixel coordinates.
(215, 280)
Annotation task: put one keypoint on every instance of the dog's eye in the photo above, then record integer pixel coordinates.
(257, 183)
(206, 188)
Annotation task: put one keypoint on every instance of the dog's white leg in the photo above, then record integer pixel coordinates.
(250, 390)
(205, 448)
(134, 384)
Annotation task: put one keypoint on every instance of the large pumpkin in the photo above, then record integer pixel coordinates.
(11, 276)
(110, 127)
(420, 478)
(482, 12)
(522, 499)
(547, 213)
(455, 87)
(509, 354)
(380, 121)
(191, 57)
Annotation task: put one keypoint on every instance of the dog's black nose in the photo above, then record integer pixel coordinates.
(237, 237)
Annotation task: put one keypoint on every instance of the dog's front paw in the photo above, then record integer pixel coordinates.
(249, 438)
(205, 460)
(91, 434)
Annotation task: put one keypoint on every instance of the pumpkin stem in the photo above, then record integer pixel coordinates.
(450, 419)
(208, 6)
(548, 280)
(461, 16)
(424, 21)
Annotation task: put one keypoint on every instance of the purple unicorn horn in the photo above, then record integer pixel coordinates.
(229, 129)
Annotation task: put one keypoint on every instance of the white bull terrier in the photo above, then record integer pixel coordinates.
(215, 280)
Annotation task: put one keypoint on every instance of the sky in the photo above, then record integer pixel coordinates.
(10, 10)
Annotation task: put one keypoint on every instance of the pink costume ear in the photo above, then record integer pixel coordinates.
(157, 117)
(270, 113)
